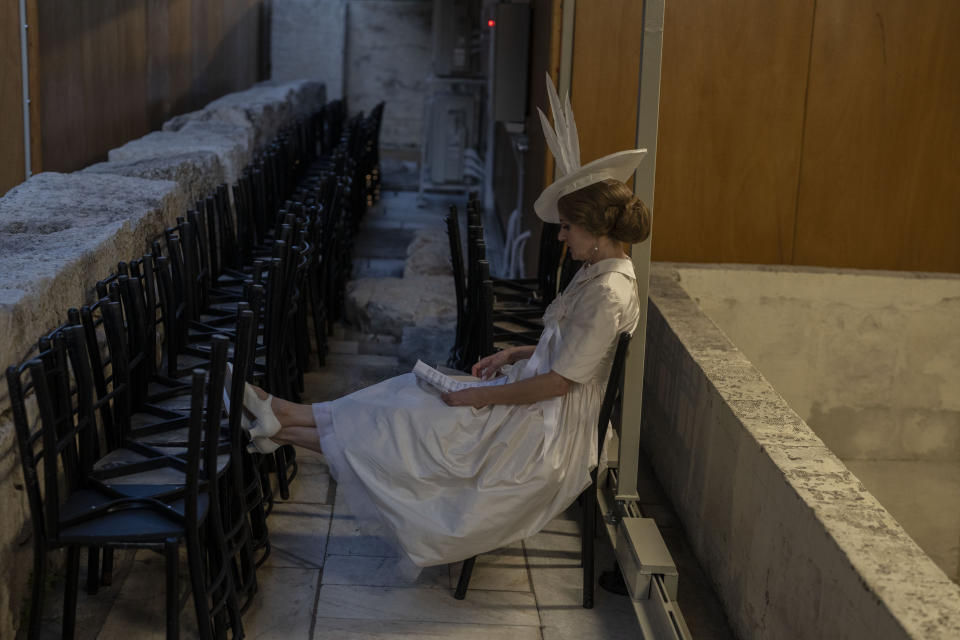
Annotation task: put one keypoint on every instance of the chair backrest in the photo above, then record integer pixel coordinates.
(613, 395)
(204, 438)
(56, 432)
(459, 286)
(115, 402)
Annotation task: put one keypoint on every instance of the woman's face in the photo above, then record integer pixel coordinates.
(580, 242)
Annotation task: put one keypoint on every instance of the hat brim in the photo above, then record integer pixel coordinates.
(618, 166)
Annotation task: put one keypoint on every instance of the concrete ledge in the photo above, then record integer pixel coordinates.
(60, 233)
(793, 543)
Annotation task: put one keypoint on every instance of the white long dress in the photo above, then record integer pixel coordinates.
(447, 483)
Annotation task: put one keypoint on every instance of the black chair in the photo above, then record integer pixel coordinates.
(610, 411)
(70, 511)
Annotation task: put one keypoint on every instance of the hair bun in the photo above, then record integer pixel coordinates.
(630, 222)
(608, 208)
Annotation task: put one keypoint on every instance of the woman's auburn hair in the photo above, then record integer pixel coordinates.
(607, 208)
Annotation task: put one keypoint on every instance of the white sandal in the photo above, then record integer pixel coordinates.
(265, 446)
(266, 425)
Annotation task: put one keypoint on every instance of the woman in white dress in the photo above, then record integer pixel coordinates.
(448, 476)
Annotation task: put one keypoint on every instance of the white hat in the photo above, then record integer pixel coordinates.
(565, 146)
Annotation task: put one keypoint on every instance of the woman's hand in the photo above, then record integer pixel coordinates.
(465, 398)
(488, 367)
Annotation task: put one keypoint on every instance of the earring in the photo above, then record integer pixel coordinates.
(593, 258)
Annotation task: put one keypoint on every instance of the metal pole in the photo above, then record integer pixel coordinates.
(25, 83)
(648, 112)
(565, 79)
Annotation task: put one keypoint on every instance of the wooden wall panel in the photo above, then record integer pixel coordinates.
(879, 182)
(11, 98)
(92, 58)
(606, 70)
(731, 119)
(108, 71)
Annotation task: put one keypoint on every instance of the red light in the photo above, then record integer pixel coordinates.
(491, 23)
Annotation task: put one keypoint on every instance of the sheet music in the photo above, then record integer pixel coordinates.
(445, 383)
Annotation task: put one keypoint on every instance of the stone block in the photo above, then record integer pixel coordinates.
(264, 108)
(59, 234)
(198, 157)
(428, 254)
(387, 305)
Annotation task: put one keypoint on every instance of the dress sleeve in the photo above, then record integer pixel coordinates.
(587, 334)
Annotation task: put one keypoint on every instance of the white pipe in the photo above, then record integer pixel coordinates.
(25, 82)
(648, 113)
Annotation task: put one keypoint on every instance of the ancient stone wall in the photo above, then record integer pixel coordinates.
(60, 233)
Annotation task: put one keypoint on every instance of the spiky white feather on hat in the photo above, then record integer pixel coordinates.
(564, 144)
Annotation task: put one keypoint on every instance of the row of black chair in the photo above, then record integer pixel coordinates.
(493, 313)
(120, 442)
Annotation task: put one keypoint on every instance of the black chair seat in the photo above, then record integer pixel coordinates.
(132, 523)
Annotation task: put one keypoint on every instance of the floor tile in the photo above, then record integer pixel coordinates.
(312, 484)
(341, 629)
(346, 538)
(433, 605)
(283, 607)
(139, 609)
(298, 534)
(501, 570)
(560, 599)
(380, 572)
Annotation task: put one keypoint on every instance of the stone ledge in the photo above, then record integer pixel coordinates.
(263, 108)
(59, 234)
(794, 544)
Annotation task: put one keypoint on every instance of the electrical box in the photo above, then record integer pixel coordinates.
(511, 54)
(641, 554)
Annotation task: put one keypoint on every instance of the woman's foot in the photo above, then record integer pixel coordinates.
(260, 403)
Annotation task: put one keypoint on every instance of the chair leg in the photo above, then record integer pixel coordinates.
(280, 459)
(464, 581)
(39, 582)
(70, 593)
(587, 542)
(106, 571)
(171, 553)
(93, 570)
